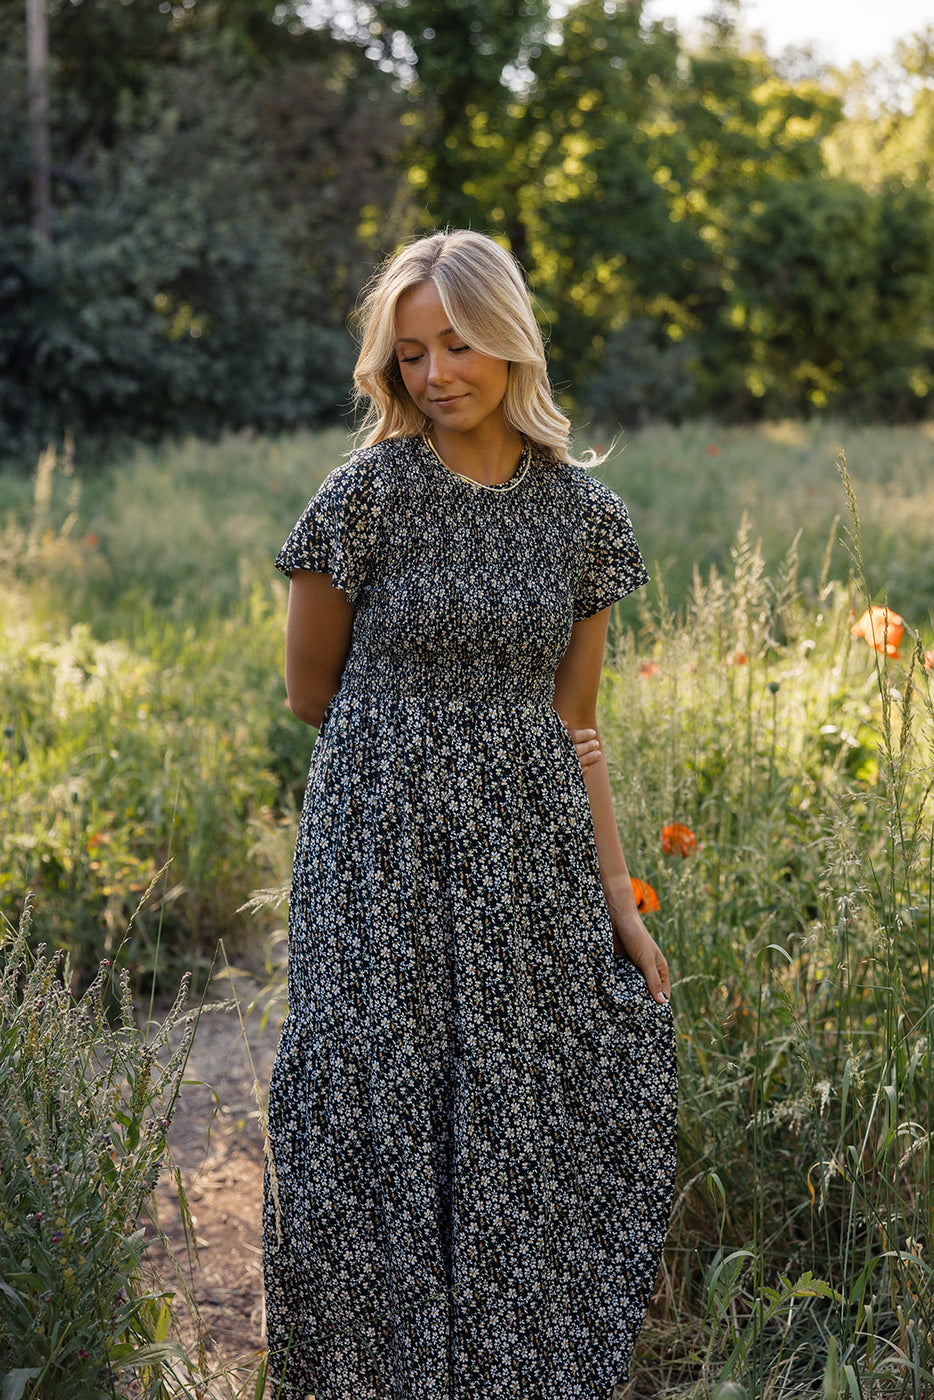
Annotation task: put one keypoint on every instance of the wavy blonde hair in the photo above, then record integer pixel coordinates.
(484, 295)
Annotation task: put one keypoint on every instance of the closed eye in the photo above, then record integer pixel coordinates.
(452, 349)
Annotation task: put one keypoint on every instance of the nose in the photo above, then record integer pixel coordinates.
(437, 371)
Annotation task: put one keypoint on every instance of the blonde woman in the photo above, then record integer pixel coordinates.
(472, 1110)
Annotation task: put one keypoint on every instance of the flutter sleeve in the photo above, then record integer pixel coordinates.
(338, 531)
(611, 561)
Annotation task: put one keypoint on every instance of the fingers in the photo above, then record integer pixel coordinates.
(654, 969)
(587, 746)
(658, 980)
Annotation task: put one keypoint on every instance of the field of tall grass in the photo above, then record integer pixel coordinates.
(773, 776)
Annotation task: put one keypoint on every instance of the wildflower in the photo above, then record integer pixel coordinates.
(736, 658)
(929, 660)
(678, 839)
(646, 898)
(83, 1353)
(882, 629)
(713, 450)
(648, 668)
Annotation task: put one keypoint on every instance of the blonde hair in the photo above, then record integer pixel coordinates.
(485, 297)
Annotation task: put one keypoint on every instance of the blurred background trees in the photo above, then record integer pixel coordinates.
(706, 230)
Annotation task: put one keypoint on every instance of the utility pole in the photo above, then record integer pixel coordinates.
(37, 61)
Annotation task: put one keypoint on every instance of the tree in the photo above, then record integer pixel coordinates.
(37, 52)
(603, 245)
(215, 216)
(461, 66)
(887, 135)
(831, 290)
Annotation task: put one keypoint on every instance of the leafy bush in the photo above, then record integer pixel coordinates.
(83, 1140)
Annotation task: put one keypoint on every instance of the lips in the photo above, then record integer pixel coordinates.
(444, 403)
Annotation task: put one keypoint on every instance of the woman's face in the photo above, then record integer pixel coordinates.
(458, 389)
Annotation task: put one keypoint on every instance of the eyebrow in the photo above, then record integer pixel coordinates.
(412, 340)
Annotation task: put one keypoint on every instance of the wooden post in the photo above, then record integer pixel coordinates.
(37, 60)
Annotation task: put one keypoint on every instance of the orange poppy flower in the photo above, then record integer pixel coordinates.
(678, 839)
(881, 628)
(929, 660)
(736, 658)
(648, 668)
(646, 898)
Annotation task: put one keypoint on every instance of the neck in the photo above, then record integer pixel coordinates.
(489, 457)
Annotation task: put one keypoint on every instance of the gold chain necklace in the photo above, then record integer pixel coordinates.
(521, 472)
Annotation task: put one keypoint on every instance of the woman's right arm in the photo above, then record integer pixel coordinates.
(317, 640)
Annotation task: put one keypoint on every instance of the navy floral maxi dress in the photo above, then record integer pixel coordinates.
(472, 1109)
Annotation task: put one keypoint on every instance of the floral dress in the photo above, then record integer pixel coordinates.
(472, 1109)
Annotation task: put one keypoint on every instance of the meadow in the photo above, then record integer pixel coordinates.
(773, 777)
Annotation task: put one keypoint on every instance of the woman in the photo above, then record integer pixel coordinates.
(473, 1102)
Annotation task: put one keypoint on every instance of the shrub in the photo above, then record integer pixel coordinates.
(86, 1106)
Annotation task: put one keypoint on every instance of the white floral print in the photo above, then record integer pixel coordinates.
(472, 1110)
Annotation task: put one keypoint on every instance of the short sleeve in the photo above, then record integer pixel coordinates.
(338, 531)
(612, 562)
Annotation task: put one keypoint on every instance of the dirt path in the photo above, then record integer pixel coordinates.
(216, 1140)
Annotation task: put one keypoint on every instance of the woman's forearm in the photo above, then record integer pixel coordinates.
(630, 935)
(614, 873)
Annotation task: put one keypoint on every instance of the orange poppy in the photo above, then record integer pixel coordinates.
(929, 660)
(713, 450)
(646, 898)
(882, 629)
(736, 658)
(648, 668)
(678, 839)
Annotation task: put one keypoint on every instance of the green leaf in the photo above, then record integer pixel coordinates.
(151, 1354)
(15, 1382)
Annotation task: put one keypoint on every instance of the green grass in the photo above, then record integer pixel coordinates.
(143, 721)
(689, 488)
(89, 1086)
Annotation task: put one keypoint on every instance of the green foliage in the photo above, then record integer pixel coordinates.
(706, 231)
(463, 54)
(646, 377)
(885, 140)
(819, 265)
(82, 1137)
(216, 208)
(602, 242)
(689, 489)
(141, 697)
(800, 933)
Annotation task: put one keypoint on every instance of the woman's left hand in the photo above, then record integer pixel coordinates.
(632, 938)
(587, 744)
